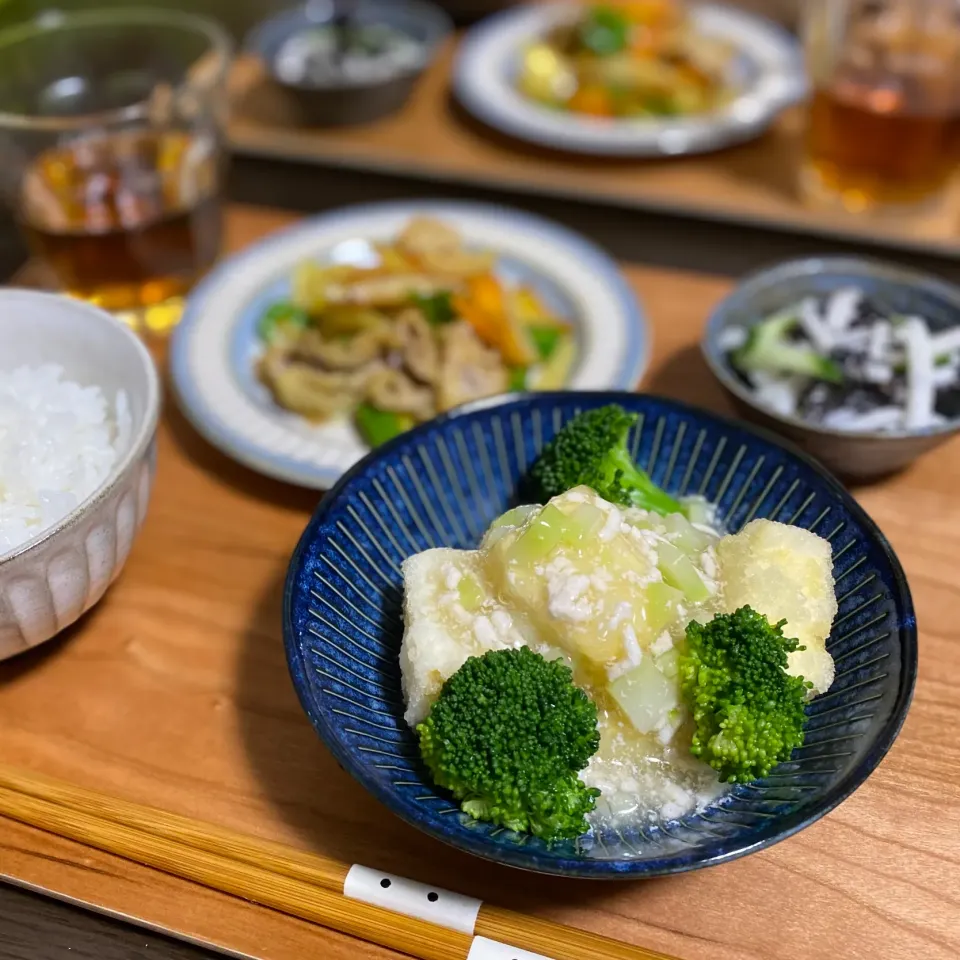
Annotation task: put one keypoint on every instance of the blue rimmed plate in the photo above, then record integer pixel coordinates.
(215, 346)
(767, 72)
(443, 483)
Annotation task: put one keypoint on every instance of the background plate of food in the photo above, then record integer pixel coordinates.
(629, 77)
(298, 355)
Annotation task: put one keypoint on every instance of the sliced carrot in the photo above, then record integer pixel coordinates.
(650, 12)
(486, 293)
(483, 306)
(482, 322)
(594, 101)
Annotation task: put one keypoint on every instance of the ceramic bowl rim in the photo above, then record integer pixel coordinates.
(141, 439)
(787, 825)
(801, 267)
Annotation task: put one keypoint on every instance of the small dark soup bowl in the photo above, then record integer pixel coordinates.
(857, 455)
(341, 91)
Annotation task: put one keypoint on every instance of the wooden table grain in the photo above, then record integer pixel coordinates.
(174, 692)
(434, 139)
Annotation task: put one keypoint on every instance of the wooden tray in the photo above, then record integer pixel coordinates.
(433, 139)
(174, 692)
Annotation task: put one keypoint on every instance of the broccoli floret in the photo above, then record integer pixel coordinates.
(507, 736)
(749, 712)
(592, 449)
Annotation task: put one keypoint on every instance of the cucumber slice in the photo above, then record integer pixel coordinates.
(768, 349)
(538, 540)
(514, 517)
(690, 540)
(646, 696)
(660, 608)
(679, 572)
(669, 663)
(471, 594)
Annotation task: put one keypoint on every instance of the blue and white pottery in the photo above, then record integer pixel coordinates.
(443, 483)
(216, 346)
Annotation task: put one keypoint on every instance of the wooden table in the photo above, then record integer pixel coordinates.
(34, 926)
(433, 139)
(174, 692)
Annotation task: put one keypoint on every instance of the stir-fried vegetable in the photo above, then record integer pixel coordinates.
(280, 315)
(545, 340)
(419, 325)
(437, 309)
(517, 379)
(483, 304)
(628, 58)
(379, 426)
(604, 31)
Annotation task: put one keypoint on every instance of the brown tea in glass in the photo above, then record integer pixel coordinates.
(884, 125)
(126, 220)
(111, 152)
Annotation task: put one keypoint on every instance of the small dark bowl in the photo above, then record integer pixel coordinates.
(856, 455)
(467, 11)
(345, 104)
(443, 483)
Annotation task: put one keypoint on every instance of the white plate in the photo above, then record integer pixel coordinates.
(215, 345)
(768, 70)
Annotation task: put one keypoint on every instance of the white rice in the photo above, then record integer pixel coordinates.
(58, 443)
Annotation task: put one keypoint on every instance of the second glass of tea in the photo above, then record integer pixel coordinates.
(111, 152)
(884, 127)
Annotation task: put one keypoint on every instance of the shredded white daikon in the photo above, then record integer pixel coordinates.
(921, 390)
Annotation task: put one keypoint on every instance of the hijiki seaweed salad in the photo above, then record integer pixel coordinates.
(843, 362)
(348, 53)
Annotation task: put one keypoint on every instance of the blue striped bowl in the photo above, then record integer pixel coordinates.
(443, 483)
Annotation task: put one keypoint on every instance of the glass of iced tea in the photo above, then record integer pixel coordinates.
(111, 152)
(884, 125)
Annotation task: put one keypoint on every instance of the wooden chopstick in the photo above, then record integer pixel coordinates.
(292, 881)
(415, 938)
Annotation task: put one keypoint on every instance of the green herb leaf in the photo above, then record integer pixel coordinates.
(284, 313)
(438, 309)
(604, 31)
(517, 379)
(661, 104)
(545, 340)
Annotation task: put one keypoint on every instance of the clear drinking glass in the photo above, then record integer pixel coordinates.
(884, 126)
(111, 152)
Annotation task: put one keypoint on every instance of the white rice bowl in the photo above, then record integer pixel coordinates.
(58, 443)
(79, 405)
